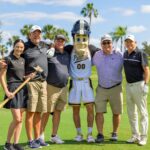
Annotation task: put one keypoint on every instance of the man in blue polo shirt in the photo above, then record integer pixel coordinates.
(137, 76)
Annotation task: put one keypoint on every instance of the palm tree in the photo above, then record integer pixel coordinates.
(49, 32)
(119, 34)
(88, 11)
(12, 40)
(26, 30)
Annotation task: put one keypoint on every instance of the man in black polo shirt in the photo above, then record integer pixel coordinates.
(57, 79)
(35, 55)
(137, 76)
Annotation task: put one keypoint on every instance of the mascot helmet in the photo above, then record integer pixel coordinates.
(81, 27)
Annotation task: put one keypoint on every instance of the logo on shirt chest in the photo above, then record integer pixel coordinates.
(76, 59)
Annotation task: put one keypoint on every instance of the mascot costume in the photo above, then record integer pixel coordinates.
(80, 71)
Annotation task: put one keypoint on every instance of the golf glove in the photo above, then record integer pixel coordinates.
(50, 52)
(145, 89)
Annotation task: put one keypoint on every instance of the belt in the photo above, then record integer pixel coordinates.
(34, 80)
(111, 86)
(79, 79)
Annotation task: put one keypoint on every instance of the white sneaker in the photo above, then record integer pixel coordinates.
(56, 139)
(79, 138)
(143, 141)
(133, 139)
(90, 139)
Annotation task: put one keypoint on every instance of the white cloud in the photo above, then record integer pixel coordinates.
(128, 12)
(124, 12)
(136, 29)
(7, 23)
(47, 2)
(145, 8)
(33, 15)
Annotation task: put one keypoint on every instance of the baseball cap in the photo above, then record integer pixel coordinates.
(60, 36)
(130, 37)
(106, 37)
(34, 28)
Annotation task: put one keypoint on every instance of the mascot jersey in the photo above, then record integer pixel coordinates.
(80, 67)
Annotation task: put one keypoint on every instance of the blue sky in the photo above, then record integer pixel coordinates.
(135, 14)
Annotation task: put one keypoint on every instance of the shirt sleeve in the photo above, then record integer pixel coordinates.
(93, 49)
(68, 49)
(94, 59)
(144, 59)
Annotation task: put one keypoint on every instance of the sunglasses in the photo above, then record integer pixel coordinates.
(104, 43)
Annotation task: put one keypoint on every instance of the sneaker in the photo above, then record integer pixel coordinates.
(56, 139)
(42, 142)
(142, 141)
(34, 144)
(114, 137)
(79, 138)
(100, 138)
(133, 139)
(90, 138)
(18, 147)
(9, 146)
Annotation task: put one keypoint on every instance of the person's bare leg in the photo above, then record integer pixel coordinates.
(12, 126)
(56, 121)
(99, 122)
(37, 124)
(29, 124)
(90, 114)
(44, 121)
(18, 116)
(76, 116)
(116, 122)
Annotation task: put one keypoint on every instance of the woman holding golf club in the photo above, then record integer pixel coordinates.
(14, 74)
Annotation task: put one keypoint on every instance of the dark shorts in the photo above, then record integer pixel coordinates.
(20, 99)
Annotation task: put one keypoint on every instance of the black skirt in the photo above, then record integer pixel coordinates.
(20, 99)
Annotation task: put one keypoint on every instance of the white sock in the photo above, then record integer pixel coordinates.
(42, 136)
(30, 140)
(90, 130)
(79, 130)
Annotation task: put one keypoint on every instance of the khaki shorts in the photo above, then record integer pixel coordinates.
(37, 96)
(56, 97)
(114, 96)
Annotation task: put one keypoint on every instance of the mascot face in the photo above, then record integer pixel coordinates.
(81, 44)
(80, 33)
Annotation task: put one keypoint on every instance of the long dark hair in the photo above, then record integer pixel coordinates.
(17, 41)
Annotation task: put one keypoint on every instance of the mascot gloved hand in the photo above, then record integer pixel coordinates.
(80, 33)
(51, 51)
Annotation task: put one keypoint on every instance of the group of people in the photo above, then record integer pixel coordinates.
(46, 92)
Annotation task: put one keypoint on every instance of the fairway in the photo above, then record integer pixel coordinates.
(67, 130)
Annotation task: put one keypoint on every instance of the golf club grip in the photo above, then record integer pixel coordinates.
(19, 88)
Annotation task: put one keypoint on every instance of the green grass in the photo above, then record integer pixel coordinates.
(67, 130)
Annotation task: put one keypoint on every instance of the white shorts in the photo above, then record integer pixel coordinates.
(81, 89)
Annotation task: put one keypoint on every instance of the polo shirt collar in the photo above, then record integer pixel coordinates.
(112, 52)
(134, 51)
